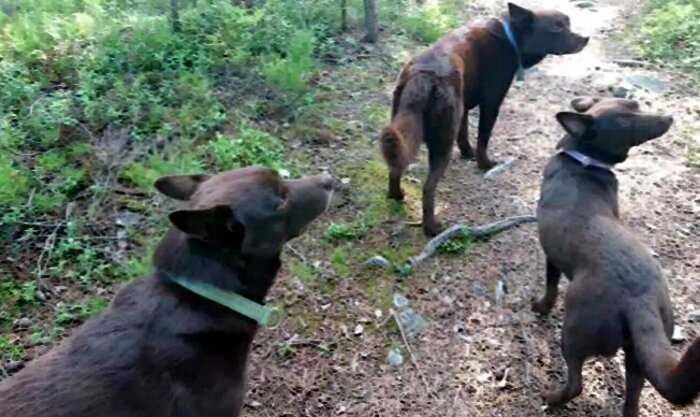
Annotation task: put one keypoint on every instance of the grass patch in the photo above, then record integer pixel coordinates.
(670, 32)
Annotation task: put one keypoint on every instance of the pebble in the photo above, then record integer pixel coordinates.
(378, 261)
(678, 335)
(694, 316)
(23, 323)
(394, 358)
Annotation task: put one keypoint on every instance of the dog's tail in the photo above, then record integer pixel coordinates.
(676, 380)
(401, 139)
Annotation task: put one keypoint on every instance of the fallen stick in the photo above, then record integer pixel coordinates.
(413, 358)
(477, 232)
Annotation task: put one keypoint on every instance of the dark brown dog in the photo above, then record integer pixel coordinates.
(160, 350)
(467, 68)
(617, 297)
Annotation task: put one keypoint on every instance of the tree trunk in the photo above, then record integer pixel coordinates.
(371, 28)
(344, 15)
(174, 16)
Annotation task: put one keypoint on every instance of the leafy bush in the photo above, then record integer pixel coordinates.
(671, 31)
(250, 147)
(428, 23)
(291, 74)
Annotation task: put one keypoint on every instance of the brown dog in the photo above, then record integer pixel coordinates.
(617, 297)
(467, 68)
(161, 350)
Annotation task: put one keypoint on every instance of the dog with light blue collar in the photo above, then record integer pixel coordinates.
(473, 66)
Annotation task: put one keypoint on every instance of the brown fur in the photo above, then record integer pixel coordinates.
(160, 350)
(618, 296)
(472, 66)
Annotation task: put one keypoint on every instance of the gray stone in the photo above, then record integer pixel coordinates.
(378, 261)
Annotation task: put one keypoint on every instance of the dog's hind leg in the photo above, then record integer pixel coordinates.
(440, 133)
(574, 383)
(634, 381)
(439, 159)
(545, 305)
(465, 148)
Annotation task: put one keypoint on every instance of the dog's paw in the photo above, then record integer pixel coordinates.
(432, 229)
(486, 164)
(553, 398)
(541, 307)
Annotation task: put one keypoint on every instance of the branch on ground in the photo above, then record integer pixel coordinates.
(477, 232)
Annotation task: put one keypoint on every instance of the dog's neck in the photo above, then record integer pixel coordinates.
(496, 28)
(599, 155)
(220, 266)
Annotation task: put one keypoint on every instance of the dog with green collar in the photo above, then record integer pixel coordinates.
(176, 343)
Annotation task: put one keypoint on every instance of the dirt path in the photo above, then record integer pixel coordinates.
(477, 358)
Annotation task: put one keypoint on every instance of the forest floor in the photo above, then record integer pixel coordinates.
(483, 352)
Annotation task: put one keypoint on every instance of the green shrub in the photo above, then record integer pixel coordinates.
(291, 74)
(428, 23)
(14, 184)
(250, 147)
(671, 32)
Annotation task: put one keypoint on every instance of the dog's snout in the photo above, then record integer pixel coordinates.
(327, 182)
(668, 120)
(585, 40)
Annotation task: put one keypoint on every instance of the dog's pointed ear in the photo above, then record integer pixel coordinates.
(180, 187)
(583, 104)
(207, 224)
(519, 15)
(576, 124)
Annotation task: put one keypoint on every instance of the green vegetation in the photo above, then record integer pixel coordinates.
(671, 32)
(99, 98)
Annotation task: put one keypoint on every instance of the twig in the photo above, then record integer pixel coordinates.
(297, 254)
(413, 358)
(477, 232)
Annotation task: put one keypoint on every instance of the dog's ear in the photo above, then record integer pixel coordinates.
(212, 223)
(576, 124)
(520, 16)
(179, 187)
(583, 104)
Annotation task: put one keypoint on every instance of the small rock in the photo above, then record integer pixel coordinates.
(255, 404)
(14, 366)
(359, 329)
(620, 91)
(23, 323)
(694, 316)
(40, 295)
(284, 173)
(394, 358)
(585, 5)
(678, 335)
(378, 261)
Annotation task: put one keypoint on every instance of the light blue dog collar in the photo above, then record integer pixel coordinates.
(520, 73)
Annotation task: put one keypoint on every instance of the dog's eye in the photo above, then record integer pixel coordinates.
(284, 200)
(558, 27)
(624, 122)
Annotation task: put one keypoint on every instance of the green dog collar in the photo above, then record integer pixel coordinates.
(264, 316)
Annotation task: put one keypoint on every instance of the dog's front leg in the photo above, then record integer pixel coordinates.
(488, 113)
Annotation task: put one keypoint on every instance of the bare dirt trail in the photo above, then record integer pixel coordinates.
(477, 358)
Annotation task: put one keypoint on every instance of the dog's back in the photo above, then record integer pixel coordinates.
(79, 378)
(618, 296)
